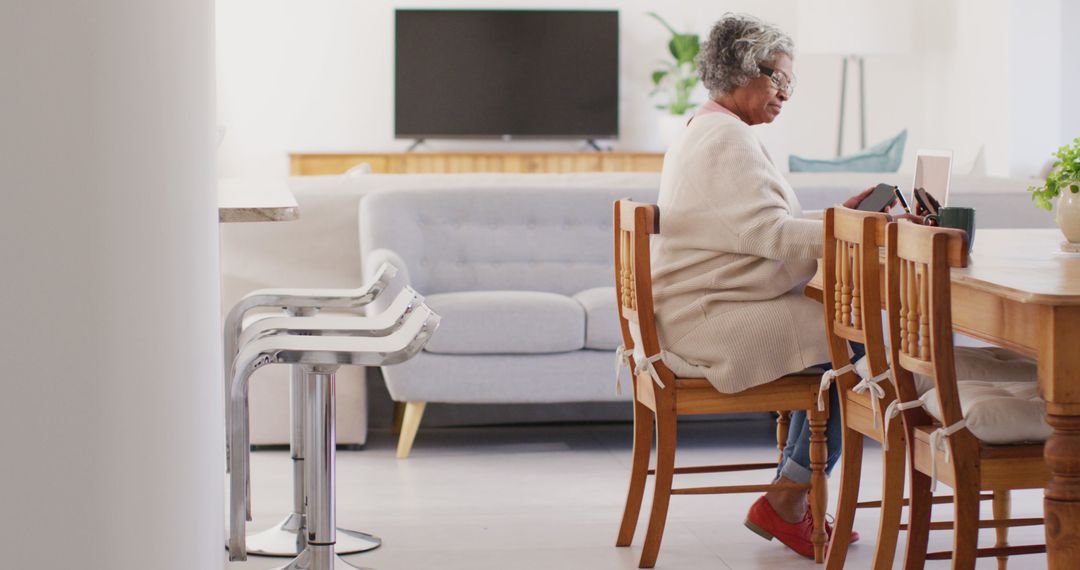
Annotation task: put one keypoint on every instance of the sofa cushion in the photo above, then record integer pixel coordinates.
(882, 157)
(601, 318)
(502, 322)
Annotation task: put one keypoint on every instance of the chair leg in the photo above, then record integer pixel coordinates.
(665, 470)
(918, 535)
(783, 425)
(639, 467)
(892, 500)
(851, 460)
(410, 423)
(966, 525)
(818, 485)
(1002, 503)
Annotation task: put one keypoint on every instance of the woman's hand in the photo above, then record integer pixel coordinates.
(853, 202)
(913, 218)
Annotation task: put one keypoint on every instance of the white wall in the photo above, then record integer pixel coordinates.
(1035, 84)
(111, 410)
(965, 81)
(317, 75)
(1070, 70)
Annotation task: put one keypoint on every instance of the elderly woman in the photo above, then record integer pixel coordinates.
(734, 253)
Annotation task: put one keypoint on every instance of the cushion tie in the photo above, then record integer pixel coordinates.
(894, 410)
(937, 437)
(876, 391)
(827, 380)
(643, 364)
(622, 355)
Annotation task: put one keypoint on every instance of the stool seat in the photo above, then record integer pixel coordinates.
(382, 324)
(298, 299)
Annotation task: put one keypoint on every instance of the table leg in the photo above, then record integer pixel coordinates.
(1059, 382)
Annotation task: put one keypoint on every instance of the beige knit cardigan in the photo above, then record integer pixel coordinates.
(731, 261)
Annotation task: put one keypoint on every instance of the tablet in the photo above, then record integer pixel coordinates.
(933, 170)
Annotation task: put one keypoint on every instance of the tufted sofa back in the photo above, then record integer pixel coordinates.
(557, 240)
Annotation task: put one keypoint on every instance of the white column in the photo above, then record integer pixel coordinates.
(110, 401)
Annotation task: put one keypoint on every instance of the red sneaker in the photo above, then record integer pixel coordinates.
(829, 527)
(763, 520)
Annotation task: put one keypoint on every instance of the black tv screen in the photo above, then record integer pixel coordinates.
(493, 73)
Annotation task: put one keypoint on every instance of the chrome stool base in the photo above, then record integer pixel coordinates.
(319, 556)
(285, 540)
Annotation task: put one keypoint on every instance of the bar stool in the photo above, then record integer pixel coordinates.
(319, 357)
(287, 537)
(289, 532)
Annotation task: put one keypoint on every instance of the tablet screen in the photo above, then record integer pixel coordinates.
(932, 171)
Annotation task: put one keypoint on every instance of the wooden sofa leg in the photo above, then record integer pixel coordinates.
(399, 416)
(410, 423)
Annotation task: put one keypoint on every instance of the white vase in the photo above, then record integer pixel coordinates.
(671, 126)
(1068, 212)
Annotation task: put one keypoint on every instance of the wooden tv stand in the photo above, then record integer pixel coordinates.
(301, 164)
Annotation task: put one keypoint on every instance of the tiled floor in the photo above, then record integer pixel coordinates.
(543, 497)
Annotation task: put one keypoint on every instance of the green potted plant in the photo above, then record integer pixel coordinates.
(676, 79)
(1063, 183)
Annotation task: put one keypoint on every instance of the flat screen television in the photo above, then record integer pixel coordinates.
(506, 73)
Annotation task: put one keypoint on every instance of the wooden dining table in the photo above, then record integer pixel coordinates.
(1021, 292)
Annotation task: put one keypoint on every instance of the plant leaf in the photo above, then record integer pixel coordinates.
(684, 48)
(658, 76)
(662, 22)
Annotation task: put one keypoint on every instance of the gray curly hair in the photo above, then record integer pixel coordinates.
(737, 44)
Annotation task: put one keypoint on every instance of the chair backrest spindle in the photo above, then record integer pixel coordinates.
(919, 305)
(634, 224)
(852, 287)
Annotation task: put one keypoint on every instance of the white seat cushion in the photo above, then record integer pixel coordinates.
(505, 322)
(989, 364)
(998, 412)
(993, 364)
(601, 318)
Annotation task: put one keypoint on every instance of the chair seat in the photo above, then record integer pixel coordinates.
(698, 396)
(998, 412)
(503, 322)
(986, 364)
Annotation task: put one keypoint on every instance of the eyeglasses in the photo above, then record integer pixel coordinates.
(779, 80)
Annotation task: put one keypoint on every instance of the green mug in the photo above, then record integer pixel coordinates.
(959, 218)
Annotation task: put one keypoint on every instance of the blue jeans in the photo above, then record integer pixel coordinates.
(795, 461)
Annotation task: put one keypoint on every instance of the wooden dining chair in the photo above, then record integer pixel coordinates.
(852, 299)
(972, 436)
(660, 398)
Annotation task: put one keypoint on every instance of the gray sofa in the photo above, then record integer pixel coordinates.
(523, 281)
